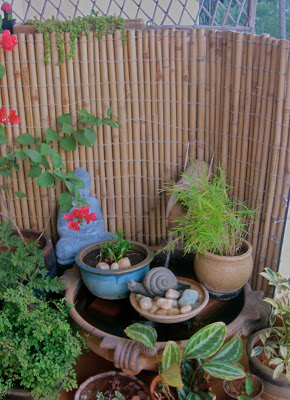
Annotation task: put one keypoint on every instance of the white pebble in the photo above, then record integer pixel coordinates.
(157, 297)
(185, 309)
(175, 303)
(103, 265)
(115, 266)
(124, 263)
(145, 303)
(172, 294)
(164, 303)
(173, 311)
(161, 312)
(139, 296)
(154, 308)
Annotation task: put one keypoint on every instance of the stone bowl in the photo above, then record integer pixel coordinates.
(112, 284)
(202, 301)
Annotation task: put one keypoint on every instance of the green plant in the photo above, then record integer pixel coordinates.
(115, 251)
(212, 221)
(204, 355)
(276, 342)
(241, 388)
(38, 347)
(101, 24)
(45, 161)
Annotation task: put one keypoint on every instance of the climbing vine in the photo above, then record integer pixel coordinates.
(100, 24)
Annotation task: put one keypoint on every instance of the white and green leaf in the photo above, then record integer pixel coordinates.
(223, 370)
(144, 334)
(231, 351)
(170, 355)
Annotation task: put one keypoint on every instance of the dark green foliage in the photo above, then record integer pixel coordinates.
(267, 18)
(101, 26)
(115, 251)
(38, 347)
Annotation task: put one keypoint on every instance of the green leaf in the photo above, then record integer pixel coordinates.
(65, 118)
(60, 175)
(144, 334)
(90, 135)
(87, 118)
(34, 172)
(45, 149)
(231, 351)
(67, 128)
(46, 179)
(44, 162)
(3, 138)
(206, 341)
(183, 392)
(243, 397)
(71, 175)
(172, 376)
(249, 385)
(25, 139)
(283, 350)
(262, 338)
(223, 370)
(256, 351)
(170, 355)
(109, 111)
(271, 301)
(3, 161)
(2, 70)
(21, 155)
(278, 370)
(80, 136)
(65, 201)
(70, 186)
(68, 143)
(33, 155)
(56, 160)
(51, 135)
(20, 195)
(110, 122)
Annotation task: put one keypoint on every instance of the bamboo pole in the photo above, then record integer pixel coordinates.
(108, 156)
(218, 98)
(207, 98)
(132, 53)
(147, 56)
(123, 131)
(142, 115)
(173, 117)
(212, 91)
(188, 98)
(276, 142)
(179, 121)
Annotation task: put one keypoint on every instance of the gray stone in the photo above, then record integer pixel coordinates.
(189, 297)
(72, 241)
(124, 263)
(115, 266)
(103, 265)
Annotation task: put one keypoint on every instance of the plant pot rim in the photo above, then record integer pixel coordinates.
(37, 234)
(225, 384)
(229, 259)
(268, 372)
(105, 375)
(143, 248)
(22, 393)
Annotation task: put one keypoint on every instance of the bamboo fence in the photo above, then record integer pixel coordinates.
(193, 93)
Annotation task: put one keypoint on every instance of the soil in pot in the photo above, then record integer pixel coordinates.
(236, 388)
(93, 257)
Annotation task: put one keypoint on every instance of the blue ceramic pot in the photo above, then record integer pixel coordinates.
(112, 284)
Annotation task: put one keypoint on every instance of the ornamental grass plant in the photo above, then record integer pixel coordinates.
(212, 221)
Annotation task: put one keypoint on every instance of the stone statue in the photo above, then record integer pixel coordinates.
(71, 241)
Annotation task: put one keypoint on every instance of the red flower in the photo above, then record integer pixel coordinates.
(8, 42)
(74, 225)
(90, 217)
(3, 116)
(13, 118)
(6, 7)
(68, 217)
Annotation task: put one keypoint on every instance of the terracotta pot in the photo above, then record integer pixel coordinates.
(224, 274)
(15, 394)
(101, 383)
(274, 389)
(234, 394)
(153, 385)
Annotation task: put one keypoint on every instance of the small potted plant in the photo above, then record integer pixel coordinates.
(269, 349)
(107, 267)
(250, 387)
(7, 21)
(214, 226)
(112, 386)
(186, 375)
(38, 347)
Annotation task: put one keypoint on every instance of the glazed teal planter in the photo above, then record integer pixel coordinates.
(112, 284)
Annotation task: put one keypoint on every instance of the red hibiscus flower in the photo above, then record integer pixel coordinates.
(6, 7)
(8, 41)
(13, 118)
(3, 116)
(74, 225)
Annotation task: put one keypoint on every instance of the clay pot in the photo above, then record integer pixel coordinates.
(224, 274)
(15, 394)
(232, 389)
(274, 389)
(101, 383)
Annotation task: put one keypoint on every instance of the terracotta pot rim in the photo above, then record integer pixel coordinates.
(83, 252)
(229, 259)
(19, 392)
(268, 372)
(37, 234)
(105, 375)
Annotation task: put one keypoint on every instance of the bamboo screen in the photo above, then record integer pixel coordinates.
(176, 92)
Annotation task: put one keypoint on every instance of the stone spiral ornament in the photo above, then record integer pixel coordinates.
(156, 283)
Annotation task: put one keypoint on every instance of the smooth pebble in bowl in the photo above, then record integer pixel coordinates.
(189, 297)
